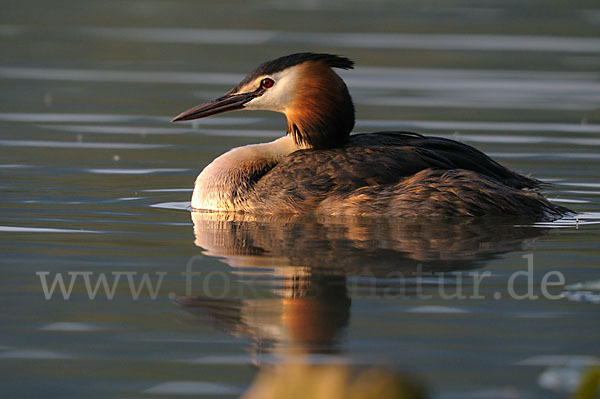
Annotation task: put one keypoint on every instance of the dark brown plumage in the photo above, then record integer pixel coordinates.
(399, 174)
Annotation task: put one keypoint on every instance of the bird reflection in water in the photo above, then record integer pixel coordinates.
(308, 262)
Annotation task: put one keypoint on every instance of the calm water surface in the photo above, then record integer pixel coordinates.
(95, 182)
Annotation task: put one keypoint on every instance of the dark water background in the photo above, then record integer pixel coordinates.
(94, 179)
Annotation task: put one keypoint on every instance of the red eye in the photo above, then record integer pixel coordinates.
(267, 83)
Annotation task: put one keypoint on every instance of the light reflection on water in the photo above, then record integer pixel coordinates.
(96, 180)
(353, 40)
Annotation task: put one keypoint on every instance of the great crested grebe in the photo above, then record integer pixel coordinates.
(318, 167)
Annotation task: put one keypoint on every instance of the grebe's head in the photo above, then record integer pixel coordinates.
(304, 87)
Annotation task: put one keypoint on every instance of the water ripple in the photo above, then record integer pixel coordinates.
(76, 144)
(424, 41)
(18, 229)
(132, 171)
(65, 326)
(192, 388)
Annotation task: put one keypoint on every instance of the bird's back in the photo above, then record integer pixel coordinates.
(397, 173)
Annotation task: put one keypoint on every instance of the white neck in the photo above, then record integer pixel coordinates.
(222, 185)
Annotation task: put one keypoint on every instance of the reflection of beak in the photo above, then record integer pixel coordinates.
(222, 104)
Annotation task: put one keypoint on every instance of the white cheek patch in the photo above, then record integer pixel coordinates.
(278, 97)
(249, 87)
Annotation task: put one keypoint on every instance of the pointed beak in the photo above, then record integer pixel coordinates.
(229, 102)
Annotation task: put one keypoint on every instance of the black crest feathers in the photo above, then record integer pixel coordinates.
(281, 63)
(288, 61)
